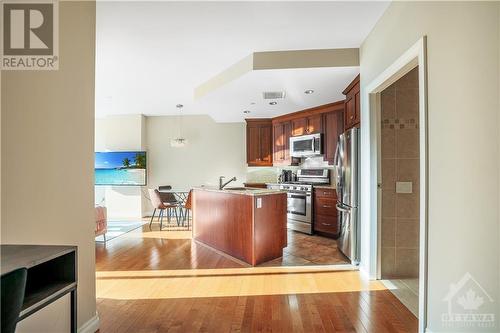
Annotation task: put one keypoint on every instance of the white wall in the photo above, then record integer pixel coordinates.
(463, 112)
(47, 159)
(214, 149)
(120, 133)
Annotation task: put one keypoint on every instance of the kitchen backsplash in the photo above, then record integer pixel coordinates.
(271, 174)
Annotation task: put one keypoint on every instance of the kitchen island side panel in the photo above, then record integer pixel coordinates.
(224, 221)
(270, 233)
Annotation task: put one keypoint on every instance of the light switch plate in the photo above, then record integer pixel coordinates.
(404, 187)
(259, 202)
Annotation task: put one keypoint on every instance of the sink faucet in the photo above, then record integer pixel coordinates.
(222, 185)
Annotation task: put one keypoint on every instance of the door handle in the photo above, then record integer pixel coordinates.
(327, 206)
(326, 223)
(342, 209)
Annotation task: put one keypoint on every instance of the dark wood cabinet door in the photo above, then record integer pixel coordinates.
(253, 145)
(352, 104)
(350, 111)
(266, 144)
(314, 124)
(299, 126)
(333, 124)
(278, 143)
(287, 134)
(357, 108)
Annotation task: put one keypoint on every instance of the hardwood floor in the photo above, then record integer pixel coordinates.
(163, 282)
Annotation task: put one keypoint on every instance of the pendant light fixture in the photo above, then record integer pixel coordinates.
(179, 141)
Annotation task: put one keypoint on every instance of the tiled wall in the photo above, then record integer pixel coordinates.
(270, 174)
(400, 163)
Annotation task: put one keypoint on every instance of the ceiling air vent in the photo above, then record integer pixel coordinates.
(273, 94)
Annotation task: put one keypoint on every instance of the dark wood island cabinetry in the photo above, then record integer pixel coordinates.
(249, 225)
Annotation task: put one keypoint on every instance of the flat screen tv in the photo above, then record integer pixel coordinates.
(120, 168)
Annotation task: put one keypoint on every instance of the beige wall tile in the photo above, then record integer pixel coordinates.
(407, 233)
(388, 232)
(407, 205)
(388, 204)
(388, 142)
(389, 174)
(388, 99)
(407, 145)
(407, 104)
(406, 262)
(388, 262)
(408, 170)
(400, 162)
(409, 81)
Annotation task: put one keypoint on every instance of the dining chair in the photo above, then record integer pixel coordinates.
(156, 201)
(186, 207)
(168, 197)
(12, 289)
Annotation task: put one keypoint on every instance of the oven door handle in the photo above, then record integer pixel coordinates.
(290, 193)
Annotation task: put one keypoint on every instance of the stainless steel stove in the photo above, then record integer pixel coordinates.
(299, 198)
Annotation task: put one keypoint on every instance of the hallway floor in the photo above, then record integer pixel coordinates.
(152, 281)
(406, 290)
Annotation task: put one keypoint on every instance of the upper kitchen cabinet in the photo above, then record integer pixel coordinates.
(282, 131)
(299, 126)
(327, 119)
(307, 125)
(333, 123)
(314, 124)
(259, 142)
(352, 104)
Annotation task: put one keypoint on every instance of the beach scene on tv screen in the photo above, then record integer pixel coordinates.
(120, 168)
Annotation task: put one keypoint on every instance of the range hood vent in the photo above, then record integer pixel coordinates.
(273, 94)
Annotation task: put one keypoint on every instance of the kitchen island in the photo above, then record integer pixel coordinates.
(246, 223)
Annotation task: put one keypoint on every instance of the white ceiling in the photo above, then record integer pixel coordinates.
(150, 56)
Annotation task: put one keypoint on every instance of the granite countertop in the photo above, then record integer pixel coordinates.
(241, 190)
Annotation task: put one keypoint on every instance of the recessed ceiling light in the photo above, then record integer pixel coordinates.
(179, 106)
(246, 111)
(308, 91)
(273, 103)
(253, 103)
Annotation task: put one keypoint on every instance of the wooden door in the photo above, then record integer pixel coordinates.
(314, 124)
(357, 108)
(253, 145)
(299, 126)
(287, 134)
(350, 111)
(278, 144)
(333, 123)
(266, 144)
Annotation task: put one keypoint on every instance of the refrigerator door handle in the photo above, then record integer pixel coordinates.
(336, 156)
(342, 209)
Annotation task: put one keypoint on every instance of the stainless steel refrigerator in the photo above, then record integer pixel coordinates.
(347, 181)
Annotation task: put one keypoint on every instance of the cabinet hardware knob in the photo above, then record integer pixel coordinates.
(326, 223)
(326, 206)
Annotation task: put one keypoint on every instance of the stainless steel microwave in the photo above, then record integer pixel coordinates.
(306, 145)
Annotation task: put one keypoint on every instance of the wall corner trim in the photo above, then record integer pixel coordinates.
(91, 326)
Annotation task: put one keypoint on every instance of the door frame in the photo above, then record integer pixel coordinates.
(413, 57)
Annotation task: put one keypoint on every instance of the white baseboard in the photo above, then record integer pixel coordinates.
(91, 326)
